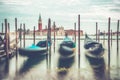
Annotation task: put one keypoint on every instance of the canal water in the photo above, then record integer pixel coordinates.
(24, 68)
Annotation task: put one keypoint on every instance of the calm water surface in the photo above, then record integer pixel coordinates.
(24, 68)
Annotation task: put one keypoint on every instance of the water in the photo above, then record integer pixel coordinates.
(24, 68)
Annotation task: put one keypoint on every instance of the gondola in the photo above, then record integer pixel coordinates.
(35, 50)
(67, 48)
(93, 48)
(11, 48)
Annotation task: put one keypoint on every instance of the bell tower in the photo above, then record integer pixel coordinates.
(39, 23)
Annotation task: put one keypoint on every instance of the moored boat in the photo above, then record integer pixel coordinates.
(35, 50)
(7, 53)
(67, 48)
(93, 48)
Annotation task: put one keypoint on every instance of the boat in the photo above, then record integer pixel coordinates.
(43, 43)
(2, 49)
(11, 48)
(95, 62)
(93, 48)
(35, 50)
(67, 48)
(1, 40)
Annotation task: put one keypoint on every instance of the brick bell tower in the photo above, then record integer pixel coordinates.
(39, 23)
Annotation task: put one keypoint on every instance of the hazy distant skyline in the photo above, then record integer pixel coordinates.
(63, 12)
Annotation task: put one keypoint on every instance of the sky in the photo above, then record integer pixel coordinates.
(63, 12)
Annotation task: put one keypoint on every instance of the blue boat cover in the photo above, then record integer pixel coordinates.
(33, 46)
(67, 39)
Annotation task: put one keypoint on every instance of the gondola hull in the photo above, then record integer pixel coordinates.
(67, 49)
(93, 48)
(32, 52)
(40, 49)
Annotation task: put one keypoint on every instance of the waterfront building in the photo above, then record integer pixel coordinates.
(59, 31)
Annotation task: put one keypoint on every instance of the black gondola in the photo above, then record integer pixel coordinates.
(67, 48)
(35, 50)
(11, 48)
(93, 48)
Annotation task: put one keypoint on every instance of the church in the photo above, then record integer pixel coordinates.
(59, 31)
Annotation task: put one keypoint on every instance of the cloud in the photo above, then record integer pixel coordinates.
(106, 10)
(16, 2)
(69, 2)
(116, 1)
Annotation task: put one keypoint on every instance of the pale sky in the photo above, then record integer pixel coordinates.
(63, 12)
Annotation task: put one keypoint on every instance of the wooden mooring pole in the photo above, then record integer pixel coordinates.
(104, 38)
(34, 35)
(79, 41)
(96, 31)
(111, 37)
(47, 50)
(75, 33)
(109, 21)
(6, 38)
(2, 27)
(49, 39)
(20, 35)
(54, 34)
(98, 35)
(118, 33)
(24, 35)
(16, 36)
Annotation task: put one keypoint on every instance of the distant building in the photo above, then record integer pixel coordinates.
(113, 33)
(72, 32)
(59, 31)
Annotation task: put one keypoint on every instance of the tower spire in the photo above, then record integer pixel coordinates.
(39, 17)
(39, 23)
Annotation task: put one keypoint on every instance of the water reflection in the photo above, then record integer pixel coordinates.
(85, 73)
(98, 66)
(64, 65)
(4, 69)
(118, 69)
(30, 63)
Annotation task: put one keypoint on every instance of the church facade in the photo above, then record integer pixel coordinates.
(58, 31)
